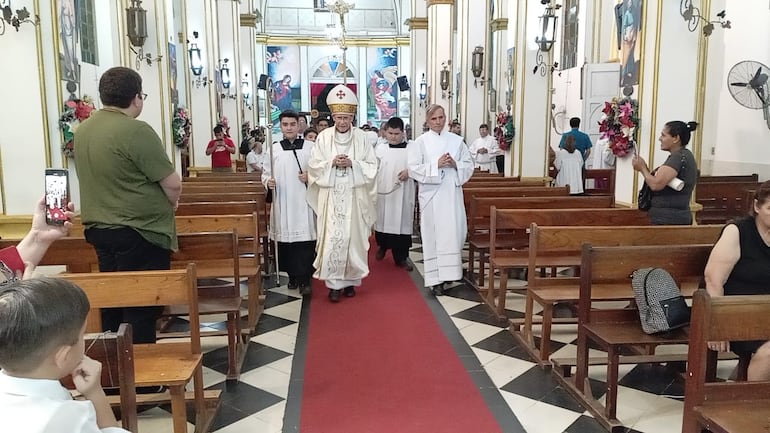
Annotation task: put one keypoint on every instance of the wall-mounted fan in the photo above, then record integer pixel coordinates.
(748, 84)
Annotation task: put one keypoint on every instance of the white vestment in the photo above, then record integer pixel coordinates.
(442, 212)
(485, 161)
(395, 199)
(291, 218)
(344, 200)
(570, 166)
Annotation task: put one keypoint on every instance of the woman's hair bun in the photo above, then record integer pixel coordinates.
(692, 126)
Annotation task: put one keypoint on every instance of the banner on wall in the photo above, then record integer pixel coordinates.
(382, 86)
(68, 44)
(629, 16)
(283, 67)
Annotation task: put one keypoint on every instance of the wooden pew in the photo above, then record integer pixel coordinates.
(172, 365)
(560, 246)
(219, 175)
(599, 182)
(536, 191)
(219, 188)
(479, 212)
(733, 178)
(727, 406)
(194, 197)
(247, 229)
(722, 201)
(617, 330)
(518, 221)
(115, 351)
(215, 255)
(505, 184)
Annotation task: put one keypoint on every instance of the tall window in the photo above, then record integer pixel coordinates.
(569, 35)
(89, 51)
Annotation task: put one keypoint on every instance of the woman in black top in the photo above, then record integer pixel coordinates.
(740, 265)
(670, 206)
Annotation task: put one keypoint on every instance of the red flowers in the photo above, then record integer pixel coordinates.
(618, 125)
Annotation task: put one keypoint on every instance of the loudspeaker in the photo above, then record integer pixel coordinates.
(262, 84)
(403, 83)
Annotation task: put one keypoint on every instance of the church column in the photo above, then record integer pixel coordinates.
(201, 16)
(500, 88)
(440, 51)
(473, 31)
(418, 37)
(248, 73)
(228, 38)
(531, 90)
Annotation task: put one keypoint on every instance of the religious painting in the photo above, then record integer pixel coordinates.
(382, 89)
(69, 33)
(283, 67)
(172, 76)
(629, 16)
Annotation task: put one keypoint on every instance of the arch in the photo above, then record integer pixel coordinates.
(330, 70)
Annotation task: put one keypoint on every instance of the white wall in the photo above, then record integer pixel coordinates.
(739, 136)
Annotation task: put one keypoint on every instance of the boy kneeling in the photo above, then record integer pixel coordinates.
(42, 323)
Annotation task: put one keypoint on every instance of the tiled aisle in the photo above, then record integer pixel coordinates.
(258, 404)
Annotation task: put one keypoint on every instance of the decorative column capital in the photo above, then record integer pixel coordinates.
(499, 24)
(440, 2)
(248, 20)
(417, 23)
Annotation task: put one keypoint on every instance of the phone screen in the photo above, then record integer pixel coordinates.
(56, 195)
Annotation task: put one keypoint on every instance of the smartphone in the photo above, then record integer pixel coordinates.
(57, 195)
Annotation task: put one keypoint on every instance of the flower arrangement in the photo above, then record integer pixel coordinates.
(504, 130)
(181, 127)
(618, 125)
(75, 111)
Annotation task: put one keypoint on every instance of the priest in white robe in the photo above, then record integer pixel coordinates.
(342, 191)
(292, 220)
(395, 196)
(484, 150)
(441, 163)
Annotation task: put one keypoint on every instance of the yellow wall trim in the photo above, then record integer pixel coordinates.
(440, 2)
(248, 20)
(417, 23)
(319, 41)
(499, 24)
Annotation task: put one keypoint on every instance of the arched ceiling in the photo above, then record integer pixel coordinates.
(300, 17)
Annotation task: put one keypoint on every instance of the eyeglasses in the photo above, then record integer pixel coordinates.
(142, 95)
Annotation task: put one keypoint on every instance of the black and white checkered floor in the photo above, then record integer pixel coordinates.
(649, 398)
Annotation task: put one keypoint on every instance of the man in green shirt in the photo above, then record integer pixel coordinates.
(128, 192)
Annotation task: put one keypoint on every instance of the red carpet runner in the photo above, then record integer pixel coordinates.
(379, 363)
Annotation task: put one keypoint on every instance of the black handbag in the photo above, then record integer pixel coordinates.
(644, 201)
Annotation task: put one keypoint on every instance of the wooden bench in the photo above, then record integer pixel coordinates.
(219, 175)
(479, 215)
(194, 197)
(723, 201)
(534, 191)
(599, 181)
(505, 184)
(717, 406)
(172, 365)
(617, 330)
(732, 178)
(115, 351)
(560, 246)
(247, 229)
(219, 188)
(518, 221)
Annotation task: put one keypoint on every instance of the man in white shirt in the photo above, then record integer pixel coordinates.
(484, 150)
(255, 157)
(395, 196)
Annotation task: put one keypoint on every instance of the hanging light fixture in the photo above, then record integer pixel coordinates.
(224, 72)
(196, 63)
(246, 91)
(136, 25)
(477, 66)
(548, 26)
(423, 90)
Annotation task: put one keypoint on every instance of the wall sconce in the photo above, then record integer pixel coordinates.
(444, 80)
(423, 90)
(548, 26)
(196, 64)
(9, 19)
(224, 76)
(246, 91)
(692, 16)
(136, 23)
(477, 66)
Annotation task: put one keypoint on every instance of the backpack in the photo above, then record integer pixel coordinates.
(661, 305)
(245, 146)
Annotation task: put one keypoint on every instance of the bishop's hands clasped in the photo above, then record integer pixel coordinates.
(446, 160)
(342, 161)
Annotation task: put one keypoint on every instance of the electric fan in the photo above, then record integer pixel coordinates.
(747, 82)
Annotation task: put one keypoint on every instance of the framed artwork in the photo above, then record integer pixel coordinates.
(283, 67)
(68, 29)
(382, 91)
(630, 15)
